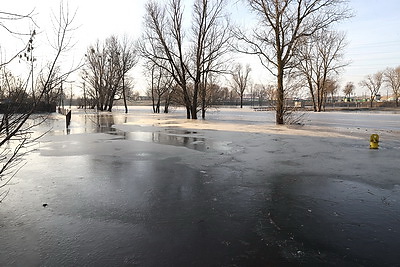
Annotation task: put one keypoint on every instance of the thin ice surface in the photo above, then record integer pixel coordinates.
(269, 195)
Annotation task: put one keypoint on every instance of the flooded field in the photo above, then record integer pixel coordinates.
(233, 190)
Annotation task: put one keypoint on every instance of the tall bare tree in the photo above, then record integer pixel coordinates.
(320, 59)
(348, 89)
(211, 29)
(128, 60)
(161, 84)
(113, 75)
(187, 58)
(53, 90)
(95, 73)
(163, 43)
(107, 66)
(240, 80)
(282, 25)
(392, 79)
(373, 83)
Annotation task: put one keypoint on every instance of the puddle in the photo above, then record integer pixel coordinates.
(104, 123)
(174, 137)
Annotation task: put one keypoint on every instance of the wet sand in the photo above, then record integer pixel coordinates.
(234, 190)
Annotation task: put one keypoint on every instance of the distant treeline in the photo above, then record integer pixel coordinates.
(13, 107)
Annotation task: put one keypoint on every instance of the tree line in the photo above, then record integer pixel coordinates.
(294, 41)
(389, 77)
(189, 61)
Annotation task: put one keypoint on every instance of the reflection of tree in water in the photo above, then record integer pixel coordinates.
(100, 122)
(104, 122)
(196, 143)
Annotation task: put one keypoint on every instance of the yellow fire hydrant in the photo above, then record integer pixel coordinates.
(374, 141)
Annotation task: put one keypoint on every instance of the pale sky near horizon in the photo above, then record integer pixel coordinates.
(373, 35)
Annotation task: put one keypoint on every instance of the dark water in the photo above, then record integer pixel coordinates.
(157, 212)
(174, 137)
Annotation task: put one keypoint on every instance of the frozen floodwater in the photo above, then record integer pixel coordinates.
(233, 190)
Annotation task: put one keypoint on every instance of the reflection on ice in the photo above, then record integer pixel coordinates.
(279, 196)
(186, 139)
(86, 123)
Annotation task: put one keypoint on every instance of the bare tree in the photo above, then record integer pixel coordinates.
(12, 87)
(161, 84)
(319, 60)
(107, 66)
(187, 59)
(128, 59)
(264, 93)
(240, 79)
(162, 43)
(373, 83)
(53, 90)
(113, 75)
(15, 130)
(331, 88)
(282, 25)
(348, 89)
(7, 20)
(392, 79)
(95, 72)
(211, 32)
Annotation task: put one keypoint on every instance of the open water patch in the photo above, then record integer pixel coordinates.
(104, 123)
(175, 137)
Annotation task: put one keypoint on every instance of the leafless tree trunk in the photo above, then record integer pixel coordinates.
(106, 70)
(282, 24)
(373, 83)
(348, 89)
(210, 30)
(160, 86)
(162, 43)
(331, 87)
(187, 60)
(95, 72)
(319, 61)
(240, 78)
(392, 79)
(128, 59)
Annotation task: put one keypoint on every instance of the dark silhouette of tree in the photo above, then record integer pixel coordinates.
(188, 58)
(373, 83)
(392, 79)
(128, 60)
(240, 80)
(331, 88)
(349, 89)
(107, 67)
(161, 86)
(319, 61)
(282, 26)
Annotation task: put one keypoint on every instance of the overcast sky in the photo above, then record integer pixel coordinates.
(373, 34)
